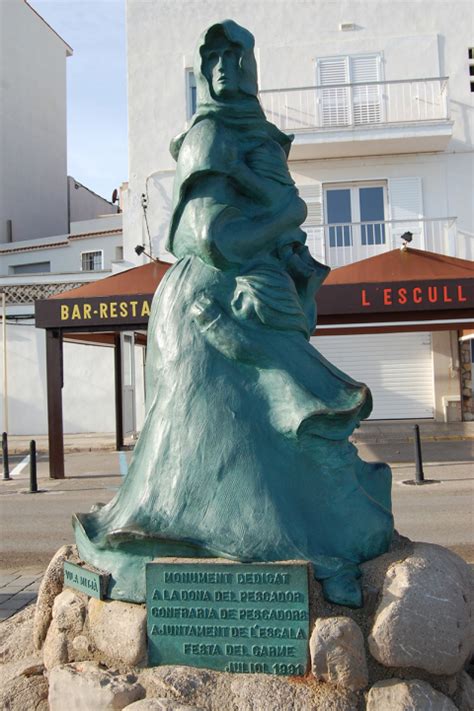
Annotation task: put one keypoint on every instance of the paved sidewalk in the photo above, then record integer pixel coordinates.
(370, 432)
(18, 588)
(83, 442)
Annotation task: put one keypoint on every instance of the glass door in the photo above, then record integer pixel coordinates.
(372, 214)
(355, 221)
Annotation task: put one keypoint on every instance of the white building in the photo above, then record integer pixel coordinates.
(36, 269)
(33, 184)
(379, 97)
(55, 233)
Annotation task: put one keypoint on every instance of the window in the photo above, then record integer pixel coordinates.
(355, 213)
(357, 101)
(92, 261)
(33, 268)
(191, 96)
(471, 66)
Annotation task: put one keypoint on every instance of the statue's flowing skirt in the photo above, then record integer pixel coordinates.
(244, 452)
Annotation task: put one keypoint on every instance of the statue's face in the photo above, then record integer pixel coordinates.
(221, 67)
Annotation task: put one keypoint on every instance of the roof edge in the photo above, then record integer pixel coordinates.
(69, 49)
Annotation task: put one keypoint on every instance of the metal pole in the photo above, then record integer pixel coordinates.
(33, 479)
(419, 474)
(5, 372)
(6, 467)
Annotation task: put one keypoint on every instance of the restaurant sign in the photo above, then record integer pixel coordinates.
(446, 294)
(93, 311)
(333, 299)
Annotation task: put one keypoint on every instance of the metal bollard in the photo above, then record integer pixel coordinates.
(6, 467)
(33, 479)
(419, 474)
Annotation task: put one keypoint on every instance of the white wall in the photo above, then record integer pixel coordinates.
(63, 252)
(417, 39)
(88, 394)
(85, 204)
(33, 190)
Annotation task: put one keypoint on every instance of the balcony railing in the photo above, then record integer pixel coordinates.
(340, 244)
(351, 105)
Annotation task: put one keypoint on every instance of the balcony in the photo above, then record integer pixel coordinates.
(381, 117)
(340, 244)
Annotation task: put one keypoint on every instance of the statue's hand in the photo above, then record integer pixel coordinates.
(205, 311)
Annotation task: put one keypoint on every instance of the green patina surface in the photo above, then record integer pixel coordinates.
(244, 453)
(229, 617)
(88, 581)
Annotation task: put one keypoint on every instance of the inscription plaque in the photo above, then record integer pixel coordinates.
(231, 617)
(92, 582)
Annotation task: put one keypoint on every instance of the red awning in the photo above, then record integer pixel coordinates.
(404, 289)
(393, 291)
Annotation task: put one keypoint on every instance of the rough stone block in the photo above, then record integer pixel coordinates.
(51, 586)
(24, 693)
(24, 685)
(16, 636)
(215, 691)
(424, 618)
(81, 647)
(338, 654)
(161, 705)
(85, 685)
(118, 630)
(29, 666)
(55, 648)
(466, 693)
(69, 611)
(398, 695)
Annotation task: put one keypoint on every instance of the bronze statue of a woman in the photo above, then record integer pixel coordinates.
(244, 453)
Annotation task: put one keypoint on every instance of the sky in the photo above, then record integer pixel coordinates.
(96, 88)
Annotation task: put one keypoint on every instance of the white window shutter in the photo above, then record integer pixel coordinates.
(313, 225)
(367, 100)
(334, 102)
(406, 203)
(364, 68)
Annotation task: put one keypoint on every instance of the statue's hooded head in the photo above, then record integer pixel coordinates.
(225, 67)
(226, 84)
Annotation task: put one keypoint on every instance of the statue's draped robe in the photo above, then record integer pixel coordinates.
(244, 452)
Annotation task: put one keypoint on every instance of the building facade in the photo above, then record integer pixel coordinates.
(55, 233)
(36, 269)
(33, 168)
(380, 104)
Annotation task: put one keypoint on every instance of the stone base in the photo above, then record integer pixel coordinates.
(412, 639)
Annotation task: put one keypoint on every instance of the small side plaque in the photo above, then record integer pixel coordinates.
(231, 617)
(85, 579)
